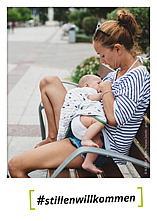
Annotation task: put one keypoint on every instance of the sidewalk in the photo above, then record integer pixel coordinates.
(32, 54)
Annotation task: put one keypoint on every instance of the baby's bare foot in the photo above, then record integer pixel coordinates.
(91, 168)
(89, 143)
(46, 141)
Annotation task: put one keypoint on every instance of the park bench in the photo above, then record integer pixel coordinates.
(137, 162)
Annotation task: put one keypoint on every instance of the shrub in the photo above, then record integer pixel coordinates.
(89, 66)
(89, 25)
(83, 38)
(147, 64)
(77, 16)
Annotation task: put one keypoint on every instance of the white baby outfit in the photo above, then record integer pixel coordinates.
(76, 103)
(78, 128)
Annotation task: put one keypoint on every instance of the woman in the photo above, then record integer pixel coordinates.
(125, 97)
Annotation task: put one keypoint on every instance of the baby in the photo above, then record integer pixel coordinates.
(83, 109)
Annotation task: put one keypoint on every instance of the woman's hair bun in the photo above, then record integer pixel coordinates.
(127, 20)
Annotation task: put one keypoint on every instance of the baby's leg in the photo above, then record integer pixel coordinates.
(91, 157)
(91, 138)
(94, 127)
(88, 164)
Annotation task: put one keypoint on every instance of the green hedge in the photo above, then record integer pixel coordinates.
(77, 17)
(91, 66)
(83, 38)
(89, 25)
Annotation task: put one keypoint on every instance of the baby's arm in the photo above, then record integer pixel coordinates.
(95, 97)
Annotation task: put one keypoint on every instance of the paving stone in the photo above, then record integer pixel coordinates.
(24, 130)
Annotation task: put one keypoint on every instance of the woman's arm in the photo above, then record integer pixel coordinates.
(108, 101)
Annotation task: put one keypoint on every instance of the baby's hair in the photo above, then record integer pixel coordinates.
(85, 79)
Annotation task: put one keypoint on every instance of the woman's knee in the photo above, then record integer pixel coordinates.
(47, 81)
(15, 167)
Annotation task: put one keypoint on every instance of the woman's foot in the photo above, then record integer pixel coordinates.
(91, 168)
(46, 141)
(89, 143)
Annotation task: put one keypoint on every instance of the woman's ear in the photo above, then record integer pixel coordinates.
(118, 48)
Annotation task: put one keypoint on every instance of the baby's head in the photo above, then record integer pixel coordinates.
(89, 80)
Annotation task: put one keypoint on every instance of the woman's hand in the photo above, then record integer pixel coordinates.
(105, 86)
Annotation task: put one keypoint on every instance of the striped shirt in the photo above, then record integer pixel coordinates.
(132, 96)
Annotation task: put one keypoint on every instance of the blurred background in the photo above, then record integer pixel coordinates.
(52, 41)
(83, 19)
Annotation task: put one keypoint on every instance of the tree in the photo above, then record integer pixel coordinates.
(43, 14)
(79, 14)
(13, 15)
(142, 15)
(100, 12)
(61, 14)
(25, 14)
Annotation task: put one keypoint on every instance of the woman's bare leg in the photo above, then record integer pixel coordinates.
(50, 155)
(52, 95)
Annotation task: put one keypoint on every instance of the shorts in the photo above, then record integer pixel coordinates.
(77, 143)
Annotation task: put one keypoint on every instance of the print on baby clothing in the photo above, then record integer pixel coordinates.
(77, 103)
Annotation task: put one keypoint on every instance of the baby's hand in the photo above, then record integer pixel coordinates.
(95, 97)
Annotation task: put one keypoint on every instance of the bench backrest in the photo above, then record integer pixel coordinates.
(104, 70)
(140, 148)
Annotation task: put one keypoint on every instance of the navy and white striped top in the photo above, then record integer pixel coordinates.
(132, 96)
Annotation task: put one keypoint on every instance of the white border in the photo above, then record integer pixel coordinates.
(14, 192)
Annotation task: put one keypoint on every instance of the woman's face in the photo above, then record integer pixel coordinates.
(107, 55)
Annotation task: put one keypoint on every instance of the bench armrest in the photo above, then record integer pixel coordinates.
(95, 150)
(71, 83)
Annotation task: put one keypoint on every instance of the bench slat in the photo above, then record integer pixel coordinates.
(111, 170)
(80, 173)
(63, 174)
(135, 152)
(143, 136)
